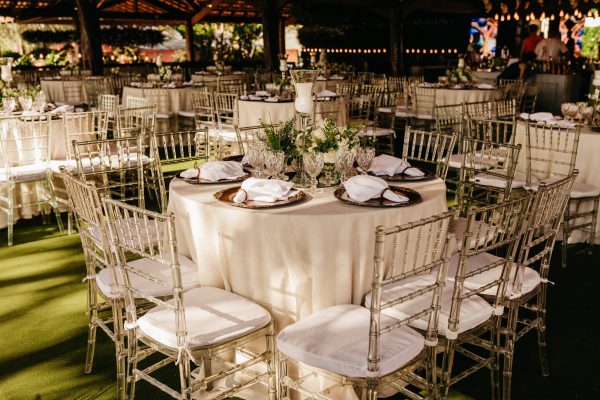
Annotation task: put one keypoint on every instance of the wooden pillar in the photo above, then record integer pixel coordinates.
(271, 33)
(189, 40)
(89, 28)
(396, 42)
(281, 36)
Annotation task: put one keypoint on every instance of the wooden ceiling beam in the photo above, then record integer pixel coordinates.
(200, 15)
(164, 6)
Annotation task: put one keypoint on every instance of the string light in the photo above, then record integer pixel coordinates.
(508, 17)
(496, 16)
(443, 51)
(502, 18)
(527, 18)
(552, 17)
(516, 16)
(532, 16)
(561, 13)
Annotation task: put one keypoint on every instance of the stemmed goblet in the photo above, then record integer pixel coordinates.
(256, 158)
(9, 104)
(274, 163)
(364, 158)
(26, 102)
(313, 164)
(344, 160)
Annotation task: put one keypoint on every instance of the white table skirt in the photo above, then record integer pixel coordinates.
(327, 84)
(587, 162)
(293, 260)
(180, 99)
(53, 89)
(458, 96)
(27, 192)
(252, 112)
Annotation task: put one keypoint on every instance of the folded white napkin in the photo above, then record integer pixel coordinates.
(485, 86)
(253, 97)
(266, 190)
(321, 78)
(389, 165)
(244, 97)
(262, 93)
(326, 93)
(63, 109)
(215, 171)
(364, 187)
(274, 99)
(561, 122)
(541, 116)
(171, 85)
(30, 113)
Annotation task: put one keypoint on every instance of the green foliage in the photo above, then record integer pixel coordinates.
(284, 138)
(48, 37)
(127, 36)
(591, 38)
(332, 137)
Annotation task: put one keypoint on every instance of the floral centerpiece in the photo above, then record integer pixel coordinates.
(462, 74)
(164, 73)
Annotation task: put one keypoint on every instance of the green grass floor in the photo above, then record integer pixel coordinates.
(43, 329)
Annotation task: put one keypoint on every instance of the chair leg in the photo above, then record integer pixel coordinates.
(271, 367)
(207, 365)
(185, 377)
(120, 352)
(54, 203)
(593, 227)
(282, 371)
(509, 344)
(495, 337)
(92, 312)
(541, 330)
(447, 364)
(565, 238)
(132, 349)
(371, 389)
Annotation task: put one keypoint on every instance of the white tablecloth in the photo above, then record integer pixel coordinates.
(294, 260)
(27, 192)
(252, 112)
(180, 99)
(54, 90)
(327, 84)
(588, 163)
(458, 96)
(212, 78)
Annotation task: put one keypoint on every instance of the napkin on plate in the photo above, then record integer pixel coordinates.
(538, 117)
(253, 97)
(215, 171)
(388, 165)
(63, 109)
(561, 122)
(262, 93)
(244, 97)
(485, 86)
(266, 190)
(364, 187)
(273, 99)
(326, 93)
(30, 113)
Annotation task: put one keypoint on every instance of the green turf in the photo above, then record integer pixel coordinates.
(43, 326)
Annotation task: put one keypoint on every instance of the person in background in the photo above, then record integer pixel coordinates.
(518, 70)
(531, 41)
(474, 51)
(550, 49)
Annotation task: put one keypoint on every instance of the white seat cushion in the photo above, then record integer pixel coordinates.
(212, 316)
(163, 115)
(105, 279)
(154, 235)
(403, 112)
(378, 132)
(482, 233)
(229, 135)
(530, 280)
(187, 114)
(581, 190)
(519, 180)
(24, 173)
(474, 310)
(337, 339)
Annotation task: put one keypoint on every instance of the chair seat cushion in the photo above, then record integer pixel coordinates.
(212, 316)
(581, 190)
(337, 339)
(229, 135)
(110, 288)
(24, 173)
(530, 279)
(474, 310)
(404, 112)
(486, 179)
(482, 233)
(187, 114)
(378, 132)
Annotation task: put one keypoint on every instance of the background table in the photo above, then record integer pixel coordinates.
(458, 96)
(252, 112)
(180, 99)
(293, 260)
(54, 90)
(588, 164)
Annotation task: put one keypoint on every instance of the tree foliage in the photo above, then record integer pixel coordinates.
(113, 36)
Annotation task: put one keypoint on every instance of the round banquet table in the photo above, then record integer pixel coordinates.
(457, 96)
(180, 98)
(293, 260)
(53, 89)
(252, 112)
(587, 162)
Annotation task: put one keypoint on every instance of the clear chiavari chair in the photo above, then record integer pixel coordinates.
(449, 118)
(24, 161)
(505, 109)
(326, 108)
(530, 97)
(160, 98)
(424, 102)
(136, 102)
(372, 346)
(226, 110)
(528, 278)
(469, 324)
(249, 134)
(204, 110)
(429, 148)
(383, 127)
(177, 331)
(478, 109)
(110, 104)
(135, 121)
(494, 130)
(73, 92)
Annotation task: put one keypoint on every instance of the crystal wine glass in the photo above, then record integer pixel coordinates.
(564, 109)
(9, 104)
(26, 102)
(364, 158)
(274, 163)
(313, 164)
(256, 158)
(344, 160)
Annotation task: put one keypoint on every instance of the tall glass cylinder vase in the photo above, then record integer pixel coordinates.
(304, 81)
(6, 69)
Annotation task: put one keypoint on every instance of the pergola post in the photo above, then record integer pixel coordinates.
(189, 40)
(271, 33)
(281, 36)
(89, 28)
(396, 42)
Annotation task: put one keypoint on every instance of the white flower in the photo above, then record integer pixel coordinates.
(330, 156)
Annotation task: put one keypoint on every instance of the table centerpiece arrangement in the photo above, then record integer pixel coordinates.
(461, 75)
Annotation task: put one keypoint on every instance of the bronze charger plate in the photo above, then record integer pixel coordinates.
(200, 181)
(428, 176)
(413, 198)
(227, 195)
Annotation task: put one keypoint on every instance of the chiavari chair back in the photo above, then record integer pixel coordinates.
(226, 110)
(493, 130)
(174, 330)
(249, 134)
(424, 102)
(504, 108)
(429, 148)
(135, 121)
(530, 97)
(134, 102)
(478, 109)
(204, 109)
(160, 98)
(73, 92)
(24, 159)
(449, 118)
(410, 266)
(327, 108)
